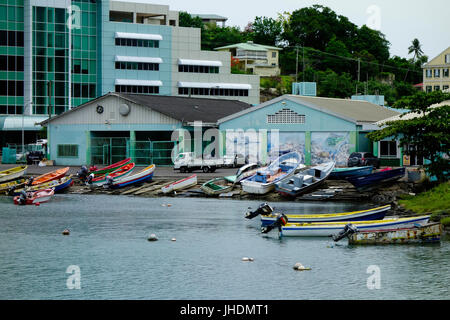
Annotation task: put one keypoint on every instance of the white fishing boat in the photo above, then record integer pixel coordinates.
(142, 176)
(13, 173)
(328, 229)
(181, 184)
(264, 180)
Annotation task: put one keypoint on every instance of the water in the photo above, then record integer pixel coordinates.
(108, 242)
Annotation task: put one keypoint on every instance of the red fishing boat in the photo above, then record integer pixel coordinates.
(111, 168)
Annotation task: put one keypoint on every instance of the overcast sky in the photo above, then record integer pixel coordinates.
(400, 20)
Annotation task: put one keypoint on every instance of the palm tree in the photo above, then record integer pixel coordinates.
(416, 48)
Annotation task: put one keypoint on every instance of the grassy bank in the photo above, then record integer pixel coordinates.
(435, 201)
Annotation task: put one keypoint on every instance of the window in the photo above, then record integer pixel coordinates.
(388, 149)
(198, 69)
(429, 89)
(437, 73)
(445, 87)
(429, 73)
(137, 43)
(137, 66)
(286, 116)
(437, 88)
(274, 54)
(213, 92)
(447, 58)
(137, 89)
(68, 150)
(445, 73)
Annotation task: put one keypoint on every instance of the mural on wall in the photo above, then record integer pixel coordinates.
(245, 143)
(330, 146)
(285, 142)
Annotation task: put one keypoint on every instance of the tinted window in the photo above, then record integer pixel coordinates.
(355, 155)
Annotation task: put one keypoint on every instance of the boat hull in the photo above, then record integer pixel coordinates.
(112, 167)
(180, 185)
(121, 172)
(429, 233)
(343, 174)
(141, 177)
(59, 186)
(373, 180)
(364, 215)
(212, 188)
(54, 175)
(330, 229)
(4, 187)
(40, 196)
(13, 173)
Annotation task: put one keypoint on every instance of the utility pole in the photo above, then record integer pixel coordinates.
(359, 74)
(296, 65)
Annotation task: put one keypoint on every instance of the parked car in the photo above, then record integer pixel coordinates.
(361, 159)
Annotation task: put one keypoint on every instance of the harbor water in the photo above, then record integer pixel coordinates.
(108, 253)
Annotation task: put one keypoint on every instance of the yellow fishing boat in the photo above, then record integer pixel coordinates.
(13, 173)
(4, 187)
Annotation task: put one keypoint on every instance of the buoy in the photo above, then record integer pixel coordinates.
(299, 267)
(169, 205)
(66, 232)
(246, 259)
(153, 237)
(173, 239)
(37, 204)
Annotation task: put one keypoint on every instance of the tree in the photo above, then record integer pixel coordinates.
(428, 132)
(266, 31)
(416, 48)
(186, 20)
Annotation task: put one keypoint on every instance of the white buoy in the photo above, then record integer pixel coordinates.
(299, 267)
(153, 237)
(246, 259)
(173, 239)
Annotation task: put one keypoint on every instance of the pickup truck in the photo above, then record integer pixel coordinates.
(187, 162)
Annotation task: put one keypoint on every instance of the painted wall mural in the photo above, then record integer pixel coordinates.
(285, 142)
(330, 146)
(245, 143)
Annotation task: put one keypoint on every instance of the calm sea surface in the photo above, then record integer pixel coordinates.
(108, 243)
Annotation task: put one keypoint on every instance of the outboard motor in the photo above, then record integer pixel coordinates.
(23, 198)
(348, 231)
(281, 221)
(11, 190)
(89, 179)
(83, 173)
(30, 182)
(109, 182)
(264, 210)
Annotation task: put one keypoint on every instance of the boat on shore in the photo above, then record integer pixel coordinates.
(59, 186)
(180, 185)
(304, 181)
(111, 168)
(263, 181)
(429, 233)
(142, 176)
(268, 216)
(345, 173)
(118, 173)
(373, 180)
(47, 177)
(245, 172)
(329, 229)
(5, 187)
(36, 197)
(13, 173)
(217, 186)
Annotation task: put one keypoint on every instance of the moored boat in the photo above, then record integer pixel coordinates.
(142, 176)
(268, 216)
(59, 186)
(111, 168)
(429, 233)
(217, 186)
(13, 173)
(181, 184)
(4, 187)
(376, 179)
(264, 180)
(118, 173)
(345, 173)
(328, 229)
(35, 197)
(47, 177)
(304, 181)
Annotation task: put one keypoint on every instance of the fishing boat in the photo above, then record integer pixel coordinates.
(268, 216)
(376, 179)
(244, 172)
(142, 176)
(118, 173)
(429, 233)
(36, 197)
(217, 186)
(328, 229)
(264, 180)
(13, 173)
(111, 168)
(4, 187)
(59, 186)
(54, 175)
(181, 184)
(345, 173)
(304, 181)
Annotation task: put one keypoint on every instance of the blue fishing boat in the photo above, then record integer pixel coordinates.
(142, 176)
(59, 186)
(376, 179)
(345, 173)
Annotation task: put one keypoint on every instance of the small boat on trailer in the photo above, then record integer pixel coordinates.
(304, 181)
(118, 173)
(5, 187)
(217, 186)
(264, 180)
(180, 185)
(429, 233)
(59, 186)
(13, 173)
(345, 173)
(142, 176)
(373, 180)
(47, 177)
(111, 168)
(268, 216)
(329, 229)
(35, 197)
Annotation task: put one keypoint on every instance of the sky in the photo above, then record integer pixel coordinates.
(400, 20)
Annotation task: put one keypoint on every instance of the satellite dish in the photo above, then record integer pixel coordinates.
(124, 110)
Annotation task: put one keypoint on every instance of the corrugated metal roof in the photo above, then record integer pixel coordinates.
(249, 46)
(210, 17)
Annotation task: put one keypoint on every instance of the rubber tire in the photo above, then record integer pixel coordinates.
(183, 169)
(205, 169)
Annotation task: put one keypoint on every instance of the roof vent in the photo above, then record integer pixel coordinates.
(124, 110)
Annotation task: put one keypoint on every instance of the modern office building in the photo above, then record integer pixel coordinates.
(59, 54)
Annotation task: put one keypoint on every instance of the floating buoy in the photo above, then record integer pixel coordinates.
(66, 232)
(169, 205)
(152, 237)
(37, 204)
(246, 259)
(299, 267)
(173, 239)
